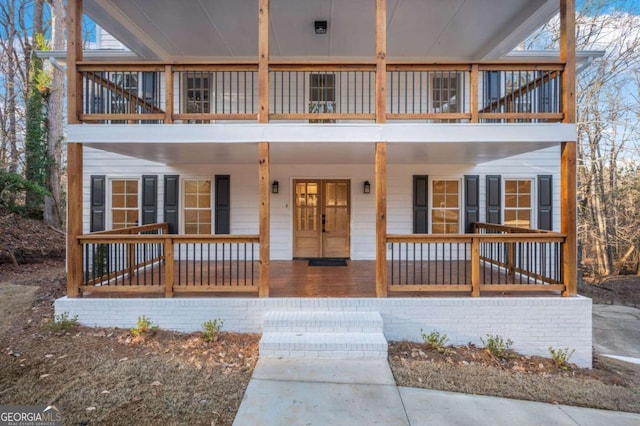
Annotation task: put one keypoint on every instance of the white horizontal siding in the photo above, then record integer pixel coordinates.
(244, 191)
(104, 40)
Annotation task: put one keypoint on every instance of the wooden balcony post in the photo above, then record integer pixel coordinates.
(168, 267)
(475, 266)
(74, 54)
(264, 196)
(381, 218)
(74, 219)
(381, 61)
(168, 93)
(568, 181)
(263, 61)
(473, 96)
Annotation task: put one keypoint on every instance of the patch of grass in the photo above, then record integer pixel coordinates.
(497, 346)
(211, 328)
(62, 323)
(436, 340)
(561, 356)
(144, 325)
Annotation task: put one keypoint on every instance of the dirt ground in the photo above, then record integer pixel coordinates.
(616, 290)
(106, 376)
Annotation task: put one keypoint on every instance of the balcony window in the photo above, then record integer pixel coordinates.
(322, 95)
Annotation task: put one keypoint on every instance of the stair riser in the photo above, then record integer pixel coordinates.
(324, 354)
(314, 328)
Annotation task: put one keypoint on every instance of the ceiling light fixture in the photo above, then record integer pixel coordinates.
(320, 27)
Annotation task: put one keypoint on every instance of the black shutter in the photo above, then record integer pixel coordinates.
(545, 201)
(98, 201)
(471, 201)
(420, 204)
(494, 199)
(223, 205)
(149, 199)
(171, 201)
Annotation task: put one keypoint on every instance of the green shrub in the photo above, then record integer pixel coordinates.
(211, 328)
(497, 346)
(436, 340)
(561, 356)
(61, 323)
(144, 325)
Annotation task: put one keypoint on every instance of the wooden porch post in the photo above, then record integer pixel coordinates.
(568, 193)
(74, 218)
(263, 189)
(381, 219)
(74, 150)
(380, 168)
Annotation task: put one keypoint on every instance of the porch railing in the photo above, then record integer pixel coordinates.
(494, 258)
(138, 93)
(147, 260)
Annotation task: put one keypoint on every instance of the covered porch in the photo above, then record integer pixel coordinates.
(495, 259)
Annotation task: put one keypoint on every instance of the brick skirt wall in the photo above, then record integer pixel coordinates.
(533, 323)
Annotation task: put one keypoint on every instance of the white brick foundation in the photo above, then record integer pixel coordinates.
(533, 323)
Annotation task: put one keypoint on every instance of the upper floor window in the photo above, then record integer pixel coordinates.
(445, 206)
(125, 209)
(517, 203)
(197, 87)
(445, 92)
(322, 95)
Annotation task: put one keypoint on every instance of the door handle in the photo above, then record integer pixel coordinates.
(324, 220)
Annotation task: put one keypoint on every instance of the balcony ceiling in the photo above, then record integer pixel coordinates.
(217, 29)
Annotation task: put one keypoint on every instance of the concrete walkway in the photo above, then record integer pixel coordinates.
(290, 391)
(616, 332)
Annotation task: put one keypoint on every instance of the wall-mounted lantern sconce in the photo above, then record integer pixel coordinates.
(320, 27)
(274, 187)
(367, 187)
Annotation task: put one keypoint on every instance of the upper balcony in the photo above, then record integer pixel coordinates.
(519, 91)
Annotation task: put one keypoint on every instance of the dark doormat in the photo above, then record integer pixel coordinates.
(327, 262)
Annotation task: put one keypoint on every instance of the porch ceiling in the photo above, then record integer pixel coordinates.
(323, 152)
(197, 29)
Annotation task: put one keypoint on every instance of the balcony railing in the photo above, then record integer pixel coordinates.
(325, 93)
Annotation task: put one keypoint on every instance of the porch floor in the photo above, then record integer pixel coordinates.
(295, 278)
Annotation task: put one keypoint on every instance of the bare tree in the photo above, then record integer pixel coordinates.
(607, 121)
(53, 203)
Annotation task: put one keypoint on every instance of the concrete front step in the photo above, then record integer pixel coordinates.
(324, 345)
(322, 322)
(319, 334)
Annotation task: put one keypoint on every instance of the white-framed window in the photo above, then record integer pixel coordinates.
(125, 202)
(445, 206)
(197, 204)
(197, 86)
(445, 92)
(518, 203)
(322, 95)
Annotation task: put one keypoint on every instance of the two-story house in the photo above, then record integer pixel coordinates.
(401, 145)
